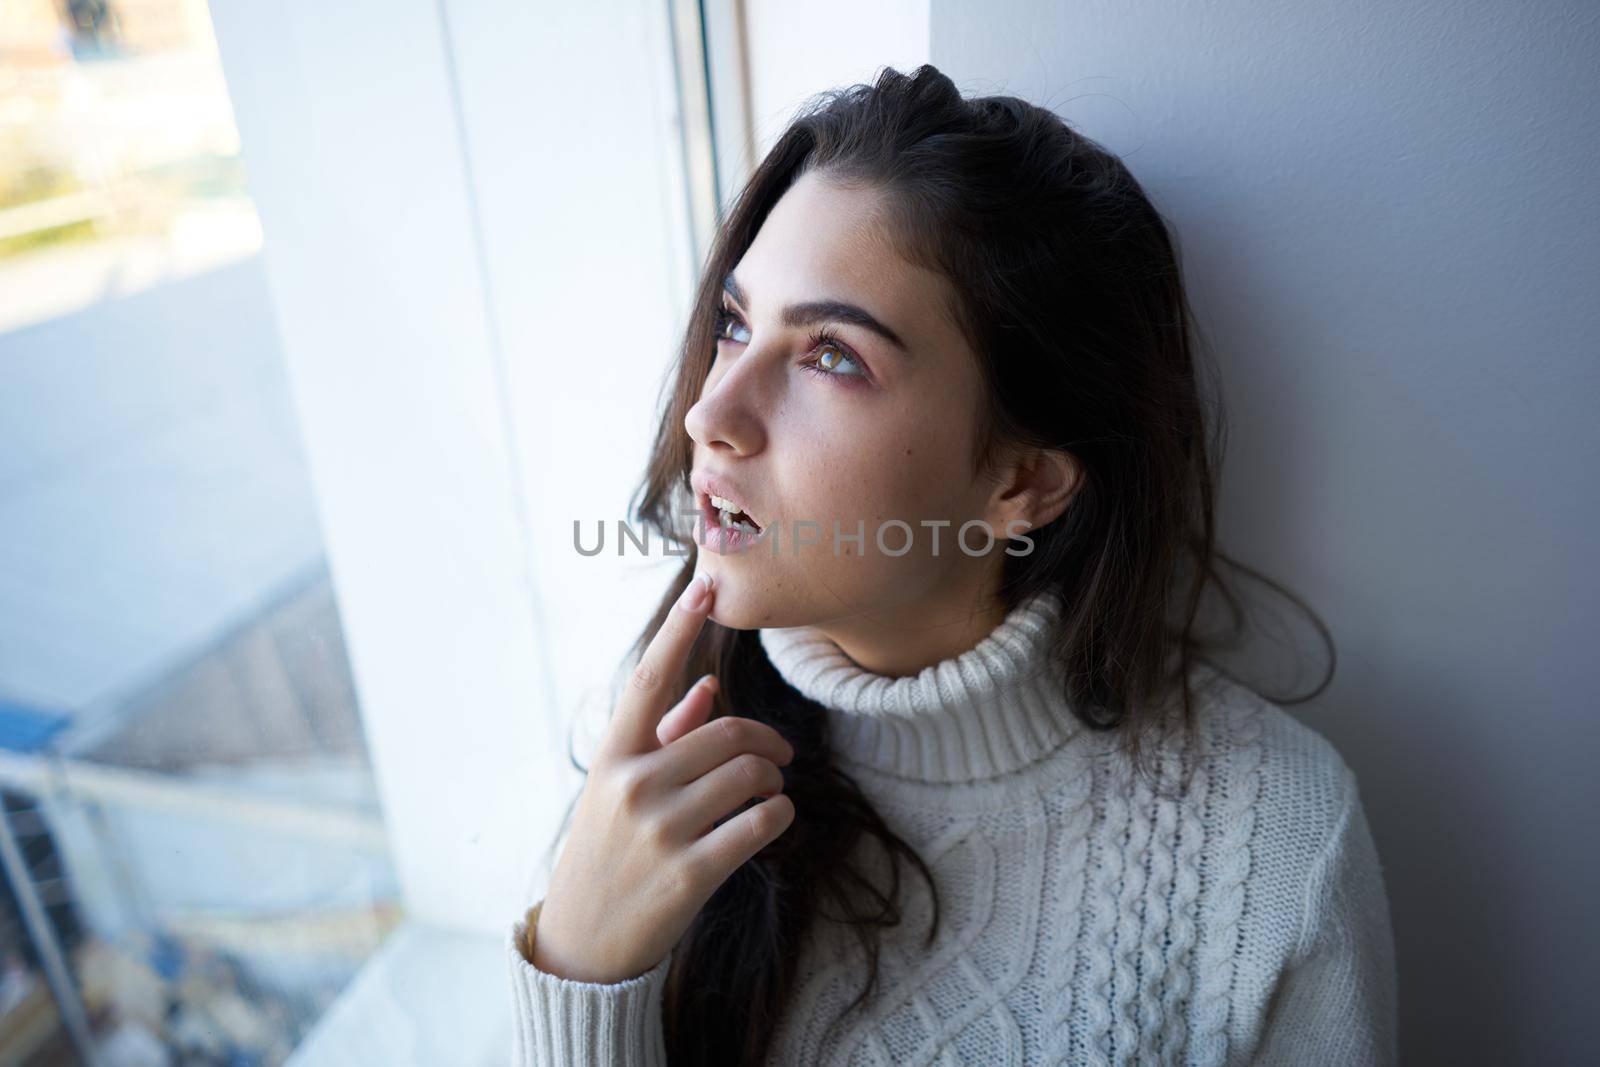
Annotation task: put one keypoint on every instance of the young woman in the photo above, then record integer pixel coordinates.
(927, 763)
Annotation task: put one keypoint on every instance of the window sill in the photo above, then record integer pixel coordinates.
(429, 996)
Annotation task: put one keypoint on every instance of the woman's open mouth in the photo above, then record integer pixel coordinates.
(728, 513)
(724, 526)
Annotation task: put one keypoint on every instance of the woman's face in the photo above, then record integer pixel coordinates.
(857, 430)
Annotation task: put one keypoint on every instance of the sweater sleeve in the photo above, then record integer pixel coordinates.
(558, 1022)
(1336, 1000)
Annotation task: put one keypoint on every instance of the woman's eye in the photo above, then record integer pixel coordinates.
(727, 320)
(832, 358)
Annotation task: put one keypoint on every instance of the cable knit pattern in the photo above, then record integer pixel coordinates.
(1231, 911)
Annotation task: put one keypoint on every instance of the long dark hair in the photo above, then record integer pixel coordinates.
(1068, 290)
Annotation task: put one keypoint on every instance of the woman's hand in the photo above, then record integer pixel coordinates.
(640, 863)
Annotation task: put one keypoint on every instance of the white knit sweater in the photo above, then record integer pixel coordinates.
(1084, 919)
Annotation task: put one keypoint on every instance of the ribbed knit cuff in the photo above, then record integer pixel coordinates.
(558, 1022)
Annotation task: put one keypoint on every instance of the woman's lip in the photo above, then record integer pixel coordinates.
(722, 539)
(706, 484)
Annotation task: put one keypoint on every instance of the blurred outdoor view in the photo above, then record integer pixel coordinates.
(193, 862)
(119, 161)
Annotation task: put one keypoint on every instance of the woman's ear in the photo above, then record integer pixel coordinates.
(1040, 485)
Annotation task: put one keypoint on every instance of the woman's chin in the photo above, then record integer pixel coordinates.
(741, 603)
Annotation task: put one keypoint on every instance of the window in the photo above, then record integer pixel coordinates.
(193, 860)
(295, 404)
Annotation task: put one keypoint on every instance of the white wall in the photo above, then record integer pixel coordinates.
(796, 50)
(348, 129)
(578, 180)
(1391, 232)
(476, 239)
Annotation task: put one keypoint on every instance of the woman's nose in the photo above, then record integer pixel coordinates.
(727, 415)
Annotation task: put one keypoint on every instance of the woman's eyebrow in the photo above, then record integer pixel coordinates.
(814, 311)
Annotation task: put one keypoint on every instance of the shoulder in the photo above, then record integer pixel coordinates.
(1268, 762)
(1294, 911)
(1283, 807)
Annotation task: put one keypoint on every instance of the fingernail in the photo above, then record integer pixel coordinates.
(695, 594)
(708, 681)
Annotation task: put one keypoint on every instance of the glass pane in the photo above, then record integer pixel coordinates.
(194, 858)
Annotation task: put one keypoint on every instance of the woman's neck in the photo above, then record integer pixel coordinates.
(899, 640)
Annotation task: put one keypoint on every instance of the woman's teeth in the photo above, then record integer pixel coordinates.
(726, 512)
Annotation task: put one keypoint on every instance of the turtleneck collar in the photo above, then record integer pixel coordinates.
(987, 712)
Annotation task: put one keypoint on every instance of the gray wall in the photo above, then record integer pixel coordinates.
(1389, 223)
